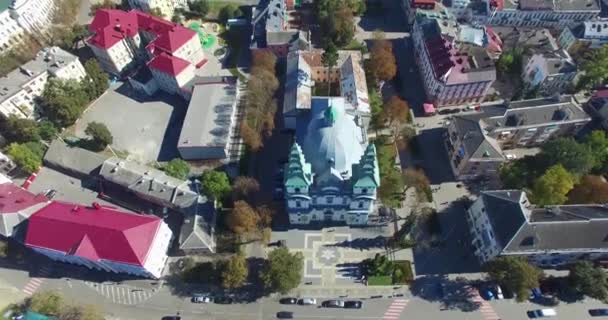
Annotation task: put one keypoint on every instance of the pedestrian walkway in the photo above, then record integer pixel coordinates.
(395, 309)
(121, 294)
(352, 291)
(35, 282)
(486, 309)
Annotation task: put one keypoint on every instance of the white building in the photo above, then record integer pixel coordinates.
(589, 34)
(100, 238)
(166, 7)
(20, 87)
(172, 51)
(550, 72)
(34, 16)
(504, 222)
(10, 31)
(542, 13)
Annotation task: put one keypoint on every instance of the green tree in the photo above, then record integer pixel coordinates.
(101, 137)
(47, 130)
(177, 168)
(215, 184)
(589, 280)
(505, 62)
(553, 186)
(79, 312)
(235, 272)
(591, 189)
(336, 22)
(24, 157)
(156, 12)
(20, 130)
(97, 81)
(595, 69)
(575, 157)
(515, 274)
(199, 7)
(521, 173)
(105, 4)
(64, 101)
(229, 11)
(283, 270)
(329, 60)
(597, 142)
(45, 302)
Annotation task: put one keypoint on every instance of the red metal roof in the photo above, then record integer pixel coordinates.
(100, 233)
(14, 198)
(168, 64)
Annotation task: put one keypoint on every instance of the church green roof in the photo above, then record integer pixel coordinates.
(297, 172)
(366, 174)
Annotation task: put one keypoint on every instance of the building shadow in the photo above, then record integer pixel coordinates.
(434, 157)
(452, 253)
(168, 148)
(457, 294)
(361, 243)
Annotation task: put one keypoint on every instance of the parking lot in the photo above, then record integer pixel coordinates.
(147, 128)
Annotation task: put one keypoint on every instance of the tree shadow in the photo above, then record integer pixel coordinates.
(457, 294)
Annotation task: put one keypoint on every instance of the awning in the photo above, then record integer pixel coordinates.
(428, 108)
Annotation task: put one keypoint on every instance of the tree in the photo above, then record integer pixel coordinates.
(553, 186)
(105, 4)
(24, 157)
(251, 138)
(597, 142)
(47, 130)
(229, 11)
(329, 60)
(78, 312)
(336, 22)
(101, 137)
(595, 70)
(97, 81)
(263, 59)
(20, 130)
(586, 279)
(396, 112)
(63, 101)
(521, 173)
(418, 180)
(266, 214)
(575, 157)
(245, 188)
(282, 271)
(156, 12)
(515, 274)
(45, 302)
(215, 184)
(591, 189)
(177, 168)
(505, 63)
(391, 187)
(383, 60)
(199, 7)
(242, 219)
(235, 272)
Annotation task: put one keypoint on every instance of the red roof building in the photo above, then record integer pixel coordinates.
(168, 64)
(109, 239)
(16, 205)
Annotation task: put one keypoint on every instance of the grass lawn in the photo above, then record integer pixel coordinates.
(380, 281)
(403, 272)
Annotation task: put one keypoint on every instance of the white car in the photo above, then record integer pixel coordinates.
(510, 156)
(499, 294)
(542, 313)
(307, 301)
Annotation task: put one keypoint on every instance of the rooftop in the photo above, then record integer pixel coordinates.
(168, 64)
(47, 60)
(74, 159)
(476, 143)
(95, 233)
(209, 117)
(552, 5)
(533, 40)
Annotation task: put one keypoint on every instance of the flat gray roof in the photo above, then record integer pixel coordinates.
(552, 5)
(210, 113)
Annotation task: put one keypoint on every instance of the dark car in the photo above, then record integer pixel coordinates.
(353, 304)
(288, 301)
(333, 304)
(285, 315)
(455, 110)
(444, 111)
(224, 300)
(598, 312)
(172, 318)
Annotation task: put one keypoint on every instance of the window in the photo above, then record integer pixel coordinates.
(330, 200)
(364, 190)
(298, 204)
(360, 204)
(297, 190)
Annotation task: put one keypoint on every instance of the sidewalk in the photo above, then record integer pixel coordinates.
(355, 291)
(9, 295)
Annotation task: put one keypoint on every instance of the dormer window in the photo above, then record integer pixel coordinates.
(364, 190)
(297, 190)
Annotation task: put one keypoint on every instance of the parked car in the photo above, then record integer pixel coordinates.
(541, 313)
(441, 289)
(285, 315)
(288, 301)
(487, 294)
(598, 312)
(307, 301)
(201, 298)
(353, 304)
(172, 318)
(498, 291)
(535, 293)
(333, 304)
(224, 300)
(455, 110)
(510, 156)
(444, 111)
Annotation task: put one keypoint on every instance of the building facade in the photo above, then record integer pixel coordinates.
(475, 143)
(545, 13)
(165, 7)
(586, 35)
(550, 73)
(504, 222)
(332, 172)
(33, 15)
(100, 238)
(20, 88)
(454, 69)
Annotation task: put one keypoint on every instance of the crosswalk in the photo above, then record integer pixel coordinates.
(121, 294)
(395, 309)
(35, 282)
(487, 312)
